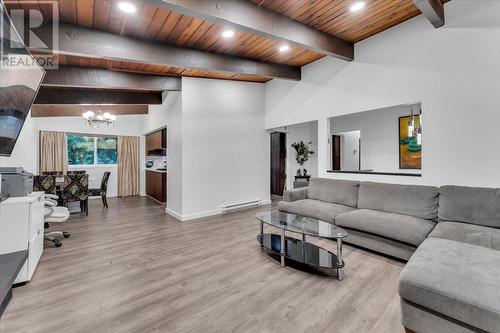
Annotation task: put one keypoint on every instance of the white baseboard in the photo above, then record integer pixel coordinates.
(265, 202)
(173, 213)
(200, 215)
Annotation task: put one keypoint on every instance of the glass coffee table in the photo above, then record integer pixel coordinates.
(300, 250)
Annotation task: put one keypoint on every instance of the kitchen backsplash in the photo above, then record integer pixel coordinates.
(158, 161)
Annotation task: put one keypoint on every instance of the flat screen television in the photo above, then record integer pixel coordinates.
(20, 79)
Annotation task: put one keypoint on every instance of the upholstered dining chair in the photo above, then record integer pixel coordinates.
(44, 183)
(102, 191)
(52, 173)
(76, 172)
(76, 188)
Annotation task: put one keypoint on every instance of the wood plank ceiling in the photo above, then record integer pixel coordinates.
(335, 18)
(164, 26)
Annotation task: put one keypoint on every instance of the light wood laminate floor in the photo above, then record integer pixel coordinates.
(134, 268)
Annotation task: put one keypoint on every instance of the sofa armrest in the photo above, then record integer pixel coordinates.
(295, 194)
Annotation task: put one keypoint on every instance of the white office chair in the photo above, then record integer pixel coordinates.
(58, 214)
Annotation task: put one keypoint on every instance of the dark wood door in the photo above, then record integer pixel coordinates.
(336, 152)
(278, 163)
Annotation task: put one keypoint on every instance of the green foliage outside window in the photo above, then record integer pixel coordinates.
(91, 149)
(80, 149)
(106, 150)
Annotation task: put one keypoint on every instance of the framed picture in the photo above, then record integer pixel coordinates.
(410, 149)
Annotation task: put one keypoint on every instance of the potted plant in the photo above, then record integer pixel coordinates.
(303, 153)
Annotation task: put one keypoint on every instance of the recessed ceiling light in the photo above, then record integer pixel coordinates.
(357, 6)
(228, 33)
(284, 48)
(127, 7)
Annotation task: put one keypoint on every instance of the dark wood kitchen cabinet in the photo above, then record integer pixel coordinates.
(156, 185)
(156, 143)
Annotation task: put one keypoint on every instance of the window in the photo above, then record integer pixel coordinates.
(106, 150)
(85, 150)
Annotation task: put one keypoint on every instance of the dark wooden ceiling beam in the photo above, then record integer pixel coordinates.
(249, 17)
(80, 77)
(433, 10)
(50, 95)
(63, 110)
(78, 41)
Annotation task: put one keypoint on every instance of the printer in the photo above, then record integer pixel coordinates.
(15, 182)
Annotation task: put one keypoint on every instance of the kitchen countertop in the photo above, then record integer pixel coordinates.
(154, 170)
(10, 265)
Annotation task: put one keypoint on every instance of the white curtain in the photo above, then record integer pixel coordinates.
(128, 166)
(53, 152)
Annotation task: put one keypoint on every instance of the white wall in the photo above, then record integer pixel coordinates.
(379, 137)
(454, 71)
(158, 115)
(169, 114)
(225, 148)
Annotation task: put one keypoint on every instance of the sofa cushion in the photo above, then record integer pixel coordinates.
(468, 233)
(403, 228)
(413, 200)
(379, 244)
(455, 279)
(324, 211)
(295, 194)
(343, 192)
(470, 204)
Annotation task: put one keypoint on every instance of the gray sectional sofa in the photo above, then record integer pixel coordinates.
(450, 237)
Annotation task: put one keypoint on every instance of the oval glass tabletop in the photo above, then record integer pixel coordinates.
(302, 224)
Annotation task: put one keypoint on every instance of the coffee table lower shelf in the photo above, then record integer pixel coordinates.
(301, 251)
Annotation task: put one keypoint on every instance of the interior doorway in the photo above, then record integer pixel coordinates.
(346, 151)
(278, 163)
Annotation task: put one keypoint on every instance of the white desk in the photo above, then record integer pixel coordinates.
(21, 228)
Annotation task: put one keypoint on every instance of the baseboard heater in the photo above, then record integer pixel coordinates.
(243, 205)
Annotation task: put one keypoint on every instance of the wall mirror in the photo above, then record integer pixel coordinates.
(383, 141)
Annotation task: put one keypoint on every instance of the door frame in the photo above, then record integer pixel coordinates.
(286, 164)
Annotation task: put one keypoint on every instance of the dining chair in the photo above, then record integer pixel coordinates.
(52, 173)
(44, 183)
(76, 172)
(102, 191)
(76, 188)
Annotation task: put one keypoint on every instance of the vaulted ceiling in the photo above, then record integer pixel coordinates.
(322, 27)
(334, 16)
(169, 27)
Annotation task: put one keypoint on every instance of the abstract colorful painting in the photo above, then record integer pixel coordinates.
(410, 151)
